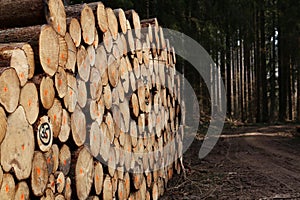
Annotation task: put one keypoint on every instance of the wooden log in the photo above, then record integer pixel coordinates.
(113, 70)
(10, 89)
(28, 13)
(95, 84)
(20, 161)
(68, 189)
(55, 115)
(120, 14)
(97, 110)
(49, 49)
(60, 181)
(72, 52)
(87, 21)
(101, 62)
(98, 177)
(51, 182)
(112, 162)
(75, 31)
(108, 41)
(63, 51)
(65, 126)
(13, 55)
(29, 101)
(94, 139)
(49, 195)
(70, 100)
(7, 190)
(61, 84)
(105, 143)
(91, 54)
(134, 20)
(82, 93)
(56, 16)
(102, 17)
(112, 23)
(78, 126)
(83, 63)
(39, 174)
(22, 191)
(64, 159)
(84, 170)
(107, 97)
(44, 133)
(107, 189)
(47, 92)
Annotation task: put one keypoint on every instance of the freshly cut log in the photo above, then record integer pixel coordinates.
(51, 182)
(49, 195)
(111, 162)
(65, 127)
(57, 16)
(97, 110)
(108, 41)
(23, 147)
(12, 55)
(30, 102)
(60, 182)
(9, 89)
(121, 19)
(64, 159)
(82, 93)
(101, 59)
(84, 173)
(113, 72)
(70, 100)
(107, 189)
(70, 65)
(75, 31)
(78, 126)
(28, 13)
(134, 20)
(44, 133)
(105, 143)
(91, 54)
(98, 177)
(63, 51)
(68, 189)
(94, 138)
(22, 191)
(95, 84)
(55, 115)
(39, 174)
(107, 97)
(87, 21)
(7, 190)
(83, 63)
(102, 17)
(3, 125)
(47, 92)
(49, 49)
(61, 83)
(112, 23)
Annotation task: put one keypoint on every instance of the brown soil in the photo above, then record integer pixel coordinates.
(250, 162)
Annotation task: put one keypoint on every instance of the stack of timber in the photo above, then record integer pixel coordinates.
(90, 104)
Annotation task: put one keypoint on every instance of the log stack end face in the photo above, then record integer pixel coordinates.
(83, 120)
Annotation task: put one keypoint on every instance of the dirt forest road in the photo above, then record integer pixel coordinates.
(247, 163)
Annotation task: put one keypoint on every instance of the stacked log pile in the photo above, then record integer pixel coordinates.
(90, 103)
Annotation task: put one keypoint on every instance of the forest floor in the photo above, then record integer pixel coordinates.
(248, 162)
